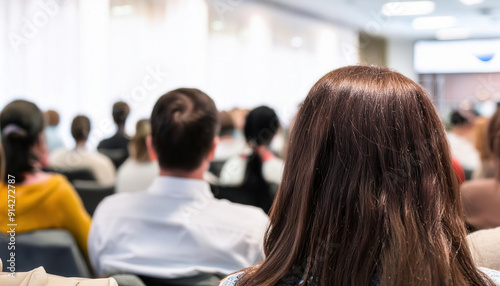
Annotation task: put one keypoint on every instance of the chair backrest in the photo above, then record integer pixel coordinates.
(199, 280)
(243, 195)
(92, 194)
(233, 194)
(117, 156)
(54, 249)
(216, 167)
(74, 174)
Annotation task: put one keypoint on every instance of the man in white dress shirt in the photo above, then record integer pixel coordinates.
(177, 228)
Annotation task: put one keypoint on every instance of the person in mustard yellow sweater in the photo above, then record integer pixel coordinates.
(39, 200)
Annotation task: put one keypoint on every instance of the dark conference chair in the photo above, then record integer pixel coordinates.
(246, 195)
(54, 249)
(80, 174)
(92, 194)
(199, 280)
(216, 167)
(117, 156)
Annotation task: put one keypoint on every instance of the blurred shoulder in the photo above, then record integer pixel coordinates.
(478, 186)
(242, 212)
(120, 203)
(59, 181)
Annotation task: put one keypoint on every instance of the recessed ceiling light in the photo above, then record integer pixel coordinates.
(471, 2)
(408, 8)
(453, 34)
(440, 22)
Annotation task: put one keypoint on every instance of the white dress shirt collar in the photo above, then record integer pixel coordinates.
(180, 187)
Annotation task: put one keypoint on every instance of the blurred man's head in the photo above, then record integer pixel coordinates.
(80, 129)
(121, 111)
(184, 125)
(52, 117)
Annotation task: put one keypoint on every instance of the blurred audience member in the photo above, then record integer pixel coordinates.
(43, 200)
(486, 169)
(461, 139)
(238, 115)
(139, 171)
(261, 166)
(481, 197)
(116, 147)
(79, 157)
(341, 218)
(177, 228)
(485, 247)
(54, 141)
(228, 146)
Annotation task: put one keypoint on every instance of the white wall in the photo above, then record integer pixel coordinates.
(79, 57)
(400, 57)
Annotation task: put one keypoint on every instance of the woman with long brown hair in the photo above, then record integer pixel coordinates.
(369, 195)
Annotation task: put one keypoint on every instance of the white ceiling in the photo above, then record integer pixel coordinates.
(483, 18)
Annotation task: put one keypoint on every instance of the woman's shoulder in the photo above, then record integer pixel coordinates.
(231, 280)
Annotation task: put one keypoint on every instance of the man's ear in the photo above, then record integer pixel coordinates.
(211, 155)
(151, 150)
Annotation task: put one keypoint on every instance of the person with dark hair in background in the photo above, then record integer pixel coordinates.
(43, 200)
(79, 157)
(139, 171)
(229, 145)
(116, 147)
(461, 138)
(52, 137)
(369, 195)
(177, 228)
(255, 172)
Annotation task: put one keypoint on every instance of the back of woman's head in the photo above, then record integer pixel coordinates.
(368, 191)
(21, 123)
(139, 150)
(261, 125)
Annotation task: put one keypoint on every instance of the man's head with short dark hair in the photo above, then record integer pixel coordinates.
(121, 111)
(184, 124)
(80, 128)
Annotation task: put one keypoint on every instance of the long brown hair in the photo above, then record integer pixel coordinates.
(138, 148)
(368, 192)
